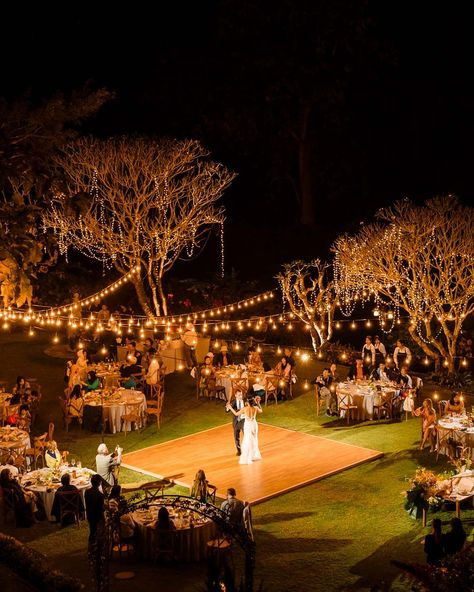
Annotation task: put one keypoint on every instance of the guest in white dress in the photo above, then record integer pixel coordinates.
(250, 450)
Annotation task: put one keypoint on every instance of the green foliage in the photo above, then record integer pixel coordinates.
(462, 379)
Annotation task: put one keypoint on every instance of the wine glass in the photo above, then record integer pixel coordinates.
(73, 462)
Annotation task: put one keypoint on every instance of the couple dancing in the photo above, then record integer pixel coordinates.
(245, 418)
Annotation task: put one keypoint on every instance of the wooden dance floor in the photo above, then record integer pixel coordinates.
(290, 460)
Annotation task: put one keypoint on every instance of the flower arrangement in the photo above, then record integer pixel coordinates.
(464, 461)
(423, 492)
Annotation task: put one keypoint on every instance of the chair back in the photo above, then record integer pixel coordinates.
(442, 404)
(211, 492)
(70, 505)
(164, 544)
(12, 410)
(50, 431)
(239, 384)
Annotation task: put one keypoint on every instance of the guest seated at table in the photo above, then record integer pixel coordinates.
(380, 373)
(164, 521)
(283, 371)
(289, 357)
(92, 381)
(254, 361)
(24, 418)
(52, 456)
(76, 402)
(117, 503)
(24, 502)
(21, 390)
(223, 358)
(455, 404)
(130, 367)
(334, 373)
(356, 370)
(199, 489)
(323, 383)
(132, 352)
(428, 427)
(233, 507)
(455, 538)
(69, 518)
(81, 363)
(404, 380)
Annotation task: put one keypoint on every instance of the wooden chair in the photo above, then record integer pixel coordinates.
(155, 407)
(211, 492)
(238, 384)
(442, 403)
(271, 388)
(320, 401)
(68, 417)
(11, 410)
(50, 431)
(70, 506)
(383, 407)
(37, 452)
(164, 545)
(132, 416)
(118, 542)
(346, 405)
(154, 489)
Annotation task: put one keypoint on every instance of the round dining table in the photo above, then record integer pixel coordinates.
(190, 537)
(14, 439)
(363, 395)
(44, 482)
(454, 431)
(115, 404)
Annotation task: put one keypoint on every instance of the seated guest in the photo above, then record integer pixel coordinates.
(164, 521)
(254, 361)
(68, 518)
(132, 351)
(24, 418)
(130, 367)
(454, 539)
(52, 456)
(92, 382)
(155, 369)
(334, 373)
(76, 402)
(207, 377)
(116, 502)
(223, 358)
(24, 502)
(289, 357)
(434, 544)
(106, 463)
(20, 390)
(199, 488)
(455, 404)
(428, 426)
(283, 371)
(380, 373)
(404, 381)
(356, 371)
(323, 383)
(233, 507)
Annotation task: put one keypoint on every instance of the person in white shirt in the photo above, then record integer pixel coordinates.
(401, 355)
(368, 355)
(153, 375)
(106, 462)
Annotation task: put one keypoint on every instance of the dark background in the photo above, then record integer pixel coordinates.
(389, 86)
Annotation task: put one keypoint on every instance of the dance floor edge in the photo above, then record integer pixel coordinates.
(290, 460)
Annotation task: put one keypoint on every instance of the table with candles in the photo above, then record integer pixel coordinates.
(115, 403)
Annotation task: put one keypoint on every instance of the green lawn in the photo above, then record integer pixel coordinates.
(337, 534)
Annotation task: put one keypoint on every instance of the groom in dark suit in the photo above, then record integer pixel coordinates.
(237, 420)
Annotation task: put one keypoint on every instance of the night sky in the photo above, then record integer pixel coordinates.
(389, 87)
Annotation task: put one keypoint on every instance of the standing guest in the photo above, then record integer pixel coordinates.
(380, 351)
(106, 463)
(455, 404)
(104, 314)
(283, 371)
(66, 486)
(401, 355)
(237, 404)
(223, 358)
(81, 363)
(455, 538)
(368, 355)
(199, 489)
(356, 371)
(98, 550)
(428, 426)
(434, 544)
(153, 374)
(233, 507)
(190, 340)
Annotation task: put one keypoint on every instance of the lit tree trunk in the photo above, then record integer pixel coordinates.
(142, 296)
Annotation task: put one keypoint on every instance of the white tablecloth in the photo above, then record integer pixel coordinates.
(454, 429)
(41, 482)
(114, 409)
(363, 396)
(14, 439)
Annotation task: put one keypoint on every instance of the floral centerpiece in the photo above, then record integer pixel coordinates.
(423, 492)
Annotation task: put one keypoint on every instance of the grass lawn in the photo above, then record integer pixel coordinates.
(337, 534)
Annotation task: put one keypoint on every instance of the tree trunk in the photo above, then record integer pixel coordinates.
(161, 294)
(304, 166)
(142, 297)
(315, 338)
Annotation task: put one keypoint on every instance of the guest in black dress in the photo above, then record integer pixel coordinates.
(434, 544)
(454, 539)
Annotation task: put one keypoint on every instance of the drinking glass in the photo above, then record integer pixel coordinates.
(73, 462)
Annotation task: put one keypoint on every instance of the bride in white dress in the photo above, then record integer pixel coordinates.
(249, 447)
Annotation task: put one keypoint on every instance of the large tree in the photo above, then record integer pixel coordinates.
(309, 292)
(134, 201)
(30, 134)
(419, 259)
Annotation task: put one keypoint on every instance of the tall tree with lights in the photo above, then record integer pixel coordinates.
(131, 202)
(309, 293)
(419, 259)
